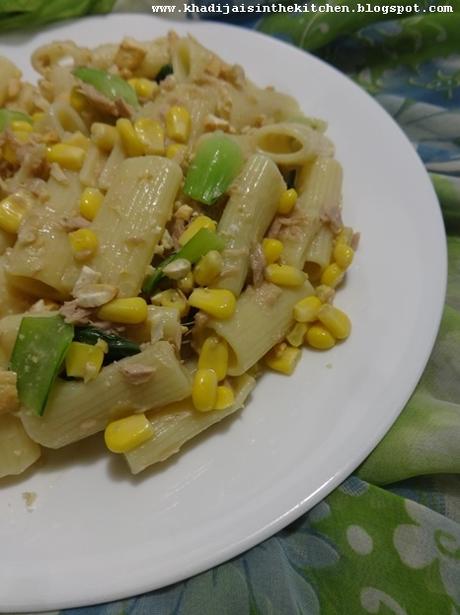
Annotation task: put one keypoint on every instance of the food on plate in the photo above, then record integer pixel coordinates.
(168, 230)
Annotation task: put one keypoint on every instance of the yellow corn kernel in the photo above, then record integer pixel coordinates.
(79, 140)
(296, 335)
(127, 434)
(151, 134)
(21, 126)
(272, 249)
(319, 337)
(132, 145)
(172, 298)
(195, 225)
(175, 151)
(225, 398)
(84, 243)
(283, 358)
(336, 321)
(204, 390)
(37, 117)
(343, 255)
(284, 275)
(90, 202)
(84, 361)
(67, 156)
(306, 310)
(214, 355)
(104, 135)
(187, 283)
(127, 311)
(208, 268)
(178, 124)
(332, 275)
(21, 136)
(78, 100)
(217, 302)
(144, 88)
(12, 211)
(9, 154)
(345, 235)
(288, 199)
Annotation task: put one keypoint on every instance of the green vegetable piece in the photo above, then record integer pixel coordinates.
(164, 71)
(119, 347)
(40, 348)
(200, 244)
(7, 116)
(217, 162)
(109, 85)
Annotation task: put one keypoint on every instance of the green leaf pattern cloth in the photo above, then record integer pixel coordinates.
(387, 541)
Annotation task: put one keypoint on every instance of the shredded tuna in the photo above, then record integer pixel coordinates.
(87, 276)
(178, 227)
(9, 401)
(73, 223)
(38, 188)
(95, 295)
(292, 224)
(183, 212)
(130, 55)
(332, 215)
(137, 373)
(268, 294)
(233, 74)
(118, 107)
(355, 241)
(212, 123)
(58, 174)
(257, 263)
(42, 305)
(74, 314)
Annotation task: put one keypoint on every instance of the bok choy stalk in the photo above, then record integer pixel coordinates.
(40, 348)
(118, 347)
(200, 244)
(8, 115)
(111, 86)
(217, 162)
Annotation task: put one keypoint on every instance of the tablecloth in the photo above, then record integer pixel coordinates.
(388, 539)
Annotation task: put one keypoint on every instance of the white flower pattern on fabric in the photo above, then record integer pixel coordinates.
(359, 540)
(434, 538)
(372, 599)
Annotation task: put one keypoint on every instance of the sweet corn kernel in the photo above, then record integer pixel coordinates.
(67, 156)
(104, 135)
(332, 275)
(12, 211)
(225, 398)
(132, 145)
(172, 298)
(90, 202)
(84, 361)
(319, 337)
(178, 123)
(186, 284)
(144, 88)
(21, 126)
(78, 100)
(37, 117)
(306, 310)
(151, 135)
(287, 201)
(84, 243)
(79, 140)
(343, 255)
(272, 249)
(283, 358)
(175, 151)
(21, 136)
(127, 311)
(208, 268)
(217, 302)
(284, 275)
(336, 321)
(214, 355)
(345, 235)
(204, 390)
(297, 334)
(127, 434)
(192, 229)
(9, 153)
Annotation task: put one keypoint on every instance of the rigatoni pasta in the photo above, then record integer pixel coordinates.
(168, 230)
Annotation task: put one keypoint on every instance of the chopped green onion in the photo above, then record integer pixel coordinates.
(217, 162)
(119, 347)
(200, 244)
(164, 71)
(8, 115)
(40, 348)
(109, 85)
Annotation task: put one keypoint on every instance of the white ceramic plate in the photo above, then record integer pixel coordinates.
(98, 534)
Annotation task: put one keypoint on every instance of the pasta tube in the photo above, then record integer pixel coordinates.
(17, 450)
